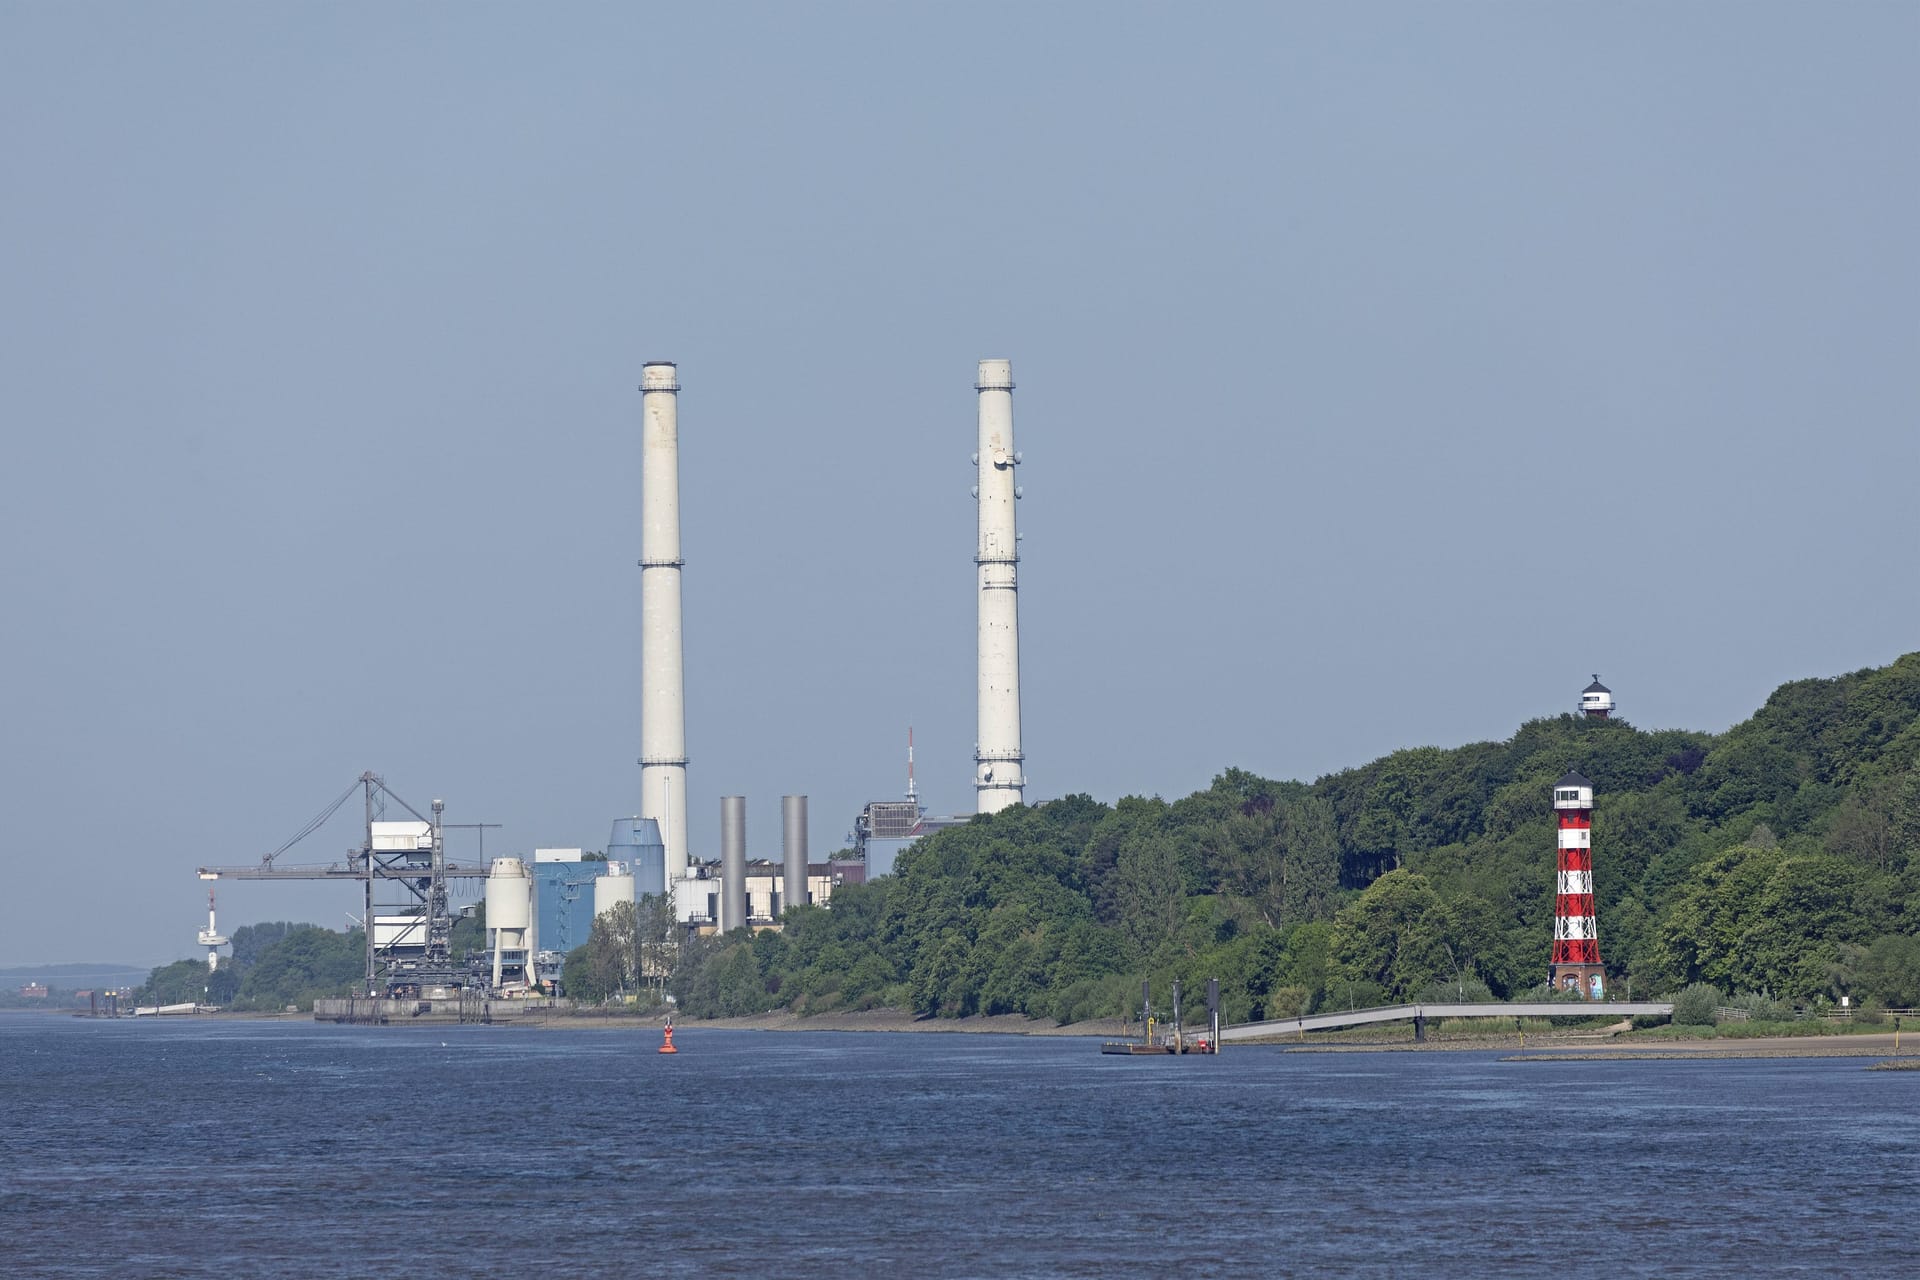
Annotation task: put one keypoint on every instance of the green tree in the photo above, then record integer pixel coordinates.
(1806, 911)
(1699, 937)
(307, 963)
(1759, 919)
(1311, 861)
(1150, 891)
(1698, 1005)
(581, 979)
(1889, 972)
(250, 941)
(182, 982)
(613, 949)
(1394, 935)
(656, 939)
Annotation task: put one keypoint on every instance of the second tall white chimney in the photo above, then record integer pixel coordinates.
(663, 714)
(999, 774)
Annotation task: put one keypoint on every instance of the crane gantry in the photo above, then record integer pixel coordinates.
(410, 854)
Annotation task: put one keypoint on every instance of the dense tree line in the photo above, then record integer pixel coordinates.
(1782, 856)
(273, 965)
(279, 963)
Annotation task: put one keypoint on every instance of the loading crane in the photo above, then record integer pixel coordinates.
(410, 854)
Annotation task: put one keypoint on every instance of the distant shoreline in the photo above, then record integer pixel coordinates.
(1561, 1046)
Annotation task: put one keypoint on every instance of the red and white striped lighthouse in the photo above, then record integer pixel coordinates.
(1576, 942)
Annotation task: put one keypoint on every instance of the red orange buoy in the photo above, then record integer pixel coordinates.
(667, 1046)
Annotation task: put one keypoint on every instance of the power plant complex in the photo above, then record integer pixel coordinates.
(539, 908)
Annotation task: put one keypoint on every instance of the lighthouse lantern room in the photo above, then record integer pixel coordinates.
(1596, 700)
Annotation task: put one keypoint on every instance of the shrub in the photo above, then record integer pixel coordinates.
(1697, 1006)
(1760, 1006)
(1341, 995)
(1455, 991)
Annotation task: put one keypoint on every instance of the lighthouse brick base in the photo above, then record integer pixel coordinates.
(1589, 980)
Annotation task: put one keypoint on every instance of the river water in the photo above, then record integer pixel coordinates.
(189, 1149)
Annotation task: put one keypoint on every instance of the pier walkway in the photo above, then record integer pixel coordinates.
(1403, 1012)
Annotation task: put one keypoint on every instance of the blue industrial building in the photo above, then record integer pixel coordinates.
(563, 898)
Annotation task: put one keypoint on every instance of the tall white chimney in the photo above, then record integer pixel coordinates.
(998, 772)
(663, 714)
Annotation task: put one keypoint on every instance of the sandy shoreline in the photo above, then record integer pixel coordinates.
(1570, 1046)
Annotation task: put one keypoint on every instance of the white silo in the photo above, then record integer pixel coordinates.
(509, 914)
(615, 885)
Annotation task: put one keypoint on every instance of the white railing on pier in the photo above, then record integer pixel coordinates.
(1405, 1012)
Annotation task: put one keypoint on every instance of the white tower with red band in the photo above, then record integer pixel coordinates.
(1576, 941)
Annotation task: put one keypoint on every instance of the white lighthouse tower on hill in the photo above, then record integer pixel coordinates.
(1596, 700)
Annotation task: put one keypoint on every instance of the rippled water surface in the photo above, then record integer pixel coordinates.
(181, 1149)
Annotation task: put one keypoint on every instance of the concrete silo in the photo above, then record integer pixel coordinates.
(613, 887)
(509, 918)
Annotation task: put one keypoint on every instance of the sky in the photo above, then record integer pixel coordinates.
(1384, 372)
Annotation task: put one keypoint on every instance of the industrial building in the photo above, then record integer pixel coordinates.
(572, 888)
(698, 904)
(737, 891)
(886, 827)
(563, 881)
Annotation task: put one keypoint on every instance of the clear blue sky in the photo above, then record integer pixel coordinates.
(1384, 371)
